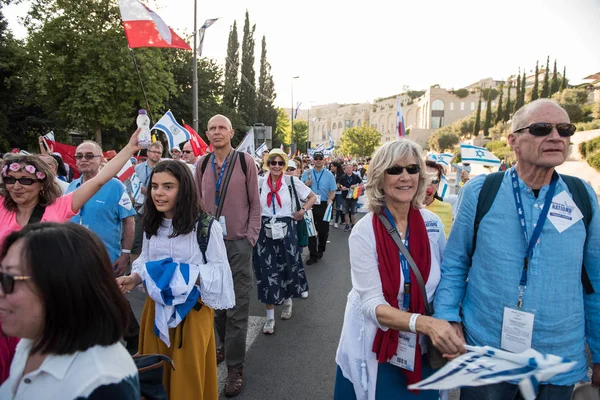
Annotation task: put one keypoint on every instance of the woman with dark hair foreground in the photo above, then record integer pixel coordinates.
(70, 318)
(184, 268)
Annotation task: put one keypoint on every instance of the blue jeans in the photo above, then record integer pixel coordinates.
(508, 391)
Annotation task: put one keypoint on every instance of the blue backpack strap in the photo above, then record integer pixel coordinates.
(203, 228)
(582, 201)
(487, 195)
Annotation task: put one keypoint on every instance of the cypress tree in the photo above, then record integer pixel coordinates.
(266, 112)
(554, 86)
(523, 90)
(247, 88)
(563, 83)
(536, 84)
(508, 108)
(518, 97)
(546, 85)
(488, 116)
(500, 110)
(477, 125)
(232, 67)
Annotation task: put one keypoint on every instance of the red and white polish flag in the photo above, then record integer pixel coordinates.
(126, 172)
(145, 28)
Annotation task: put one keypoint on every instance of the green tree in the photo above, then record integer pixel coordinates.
(83, 69)
(596, 111)
(490, 93)
(500, 110)
(554, 85)
(573, 101)
(441, 141)
(247, 88)
(564, 83)
(488, 118)
(522, 94)
(546, 84)
(232, 69)
(360, 141)
(536, 83)
(266, 110)
(300, 135)
(508, 108)
(477, 125)
(518, 96)
(282, 130)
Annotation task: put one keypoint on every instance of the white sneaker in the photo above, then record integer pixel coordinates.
(286, 313)
(304, 295)
(269, 327)
(336, 225)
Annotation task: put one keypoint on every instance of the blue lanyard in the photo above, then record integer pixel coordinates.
(320, 176)
(349, 180)
(220, 179)
(403, 264)
(147, 176)
(531, 242)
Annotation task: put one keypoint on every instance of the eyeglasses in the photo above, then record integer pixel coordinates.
(88, 156)
(290, 169)
(154, 152)
(397, 169)
(274, 163)
(434, 181)
(11, 180)
(318, 158)
(544, 129)
(7, 281)
(187, 151)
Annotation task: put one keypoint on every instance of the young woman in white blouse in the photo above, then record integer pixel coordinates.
(277, 257)
(379, 313)
(184, 285)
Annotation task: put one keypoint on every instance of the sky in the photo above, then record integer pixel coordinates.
(350, 52)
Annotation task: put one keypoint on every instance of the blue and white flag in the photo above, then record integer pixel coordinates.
(173, 288)
(261, 149)
(443, 159)
(478, 155)
(320, 147)
(443, 188)
(176, 134)
(331, 142)
(487, 365)
(49, 136)
(247, 144)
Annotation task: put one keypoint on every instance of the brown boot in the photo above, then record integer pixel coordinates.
(234, 382)
(220, 354)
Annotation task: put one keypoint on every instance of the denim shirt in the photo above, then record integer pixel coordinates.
(564, 314)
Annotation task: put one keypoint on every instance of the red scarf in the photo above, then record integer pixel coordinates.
(274, 191)
(386, 343)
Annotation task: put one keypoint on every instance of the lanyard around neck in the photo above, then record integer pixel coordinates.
(220, 178)
(537, 231)
(403, 264)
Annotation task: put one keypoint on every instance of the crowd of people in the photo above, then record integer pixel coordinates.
(429, 274)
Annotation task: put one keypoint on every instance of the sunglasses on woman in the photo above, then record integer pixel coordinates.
(544, 129)
(7, 281)
(274, 163)
(11, 180)
(290, 169)
(398, 170)
(88, 156)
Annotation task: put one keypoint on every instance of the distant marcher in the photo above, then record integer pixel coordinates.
(460, 168)
(53, 164)
(347, 183)
(433, 202)
(175, 153)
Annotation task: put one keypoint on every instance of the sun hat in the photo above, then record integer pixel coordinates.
(274, 153)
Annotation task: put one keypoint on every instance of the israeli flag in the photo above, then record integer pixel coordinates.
(331, 142)
(260, 149)
(478, 155)
(487, 365)
(320, 147)
(49, 136)
(176, 134)
(173, 288)
(443, 188)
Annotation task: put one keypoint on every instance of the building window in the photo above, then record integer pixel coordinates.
(462, 106)
(451, 106)
(472, 106)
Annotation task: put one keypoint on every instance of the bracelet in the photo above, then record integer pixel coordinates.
(412, 324)
(126, 251)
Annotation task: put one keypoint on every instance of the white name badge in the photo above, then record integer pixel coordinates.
(350, 193)
(517, 330)
(318, 199)
(276, 229)
(563, 212)
(223, 226)
(405, 355)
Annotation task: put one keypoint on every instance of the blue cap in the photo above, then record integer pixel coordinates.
(142, 112)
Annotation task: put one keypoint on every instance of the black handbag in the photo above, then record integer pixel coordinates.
(436, 360)
(150, 370)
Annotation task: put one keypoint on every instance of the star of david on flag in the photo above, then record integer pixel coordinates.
(175, 133)
(478, 155)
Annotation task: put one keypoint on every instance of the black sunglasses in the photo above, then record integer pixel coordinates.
(187, 151)
(318, 158)
(11, 180)
(544, 129)
(290, 169)
(274, 163)
(397, 169)
(7, 281)
(434, 181)
(88, 156)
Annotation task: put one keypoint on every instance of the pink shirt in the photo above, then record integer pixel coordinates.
(59, 211)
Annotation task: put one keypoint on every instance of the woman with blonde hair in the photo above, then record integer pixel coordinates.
(382, 348)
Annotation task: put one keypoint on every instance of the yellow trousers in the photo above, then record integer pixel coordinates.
(193, 354)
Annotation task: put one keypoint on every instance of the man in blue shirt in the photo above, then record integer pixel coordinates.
(526, 290)
(322, 183)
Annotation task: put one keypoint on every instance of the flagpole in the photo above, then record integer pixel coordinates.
(195, 80)
(141, 83)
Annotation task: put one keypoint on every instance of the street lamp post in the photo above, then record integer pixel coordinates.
(292, 109)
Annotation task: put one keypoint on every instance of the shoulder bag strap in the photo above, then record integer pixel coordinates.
(225, 184)
(295, 193)
(37, 214)
(396, 237)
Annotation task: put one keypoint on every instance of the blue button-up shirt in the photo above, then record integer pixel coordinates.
(322, 182)
(564, 314)
(104, 213)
